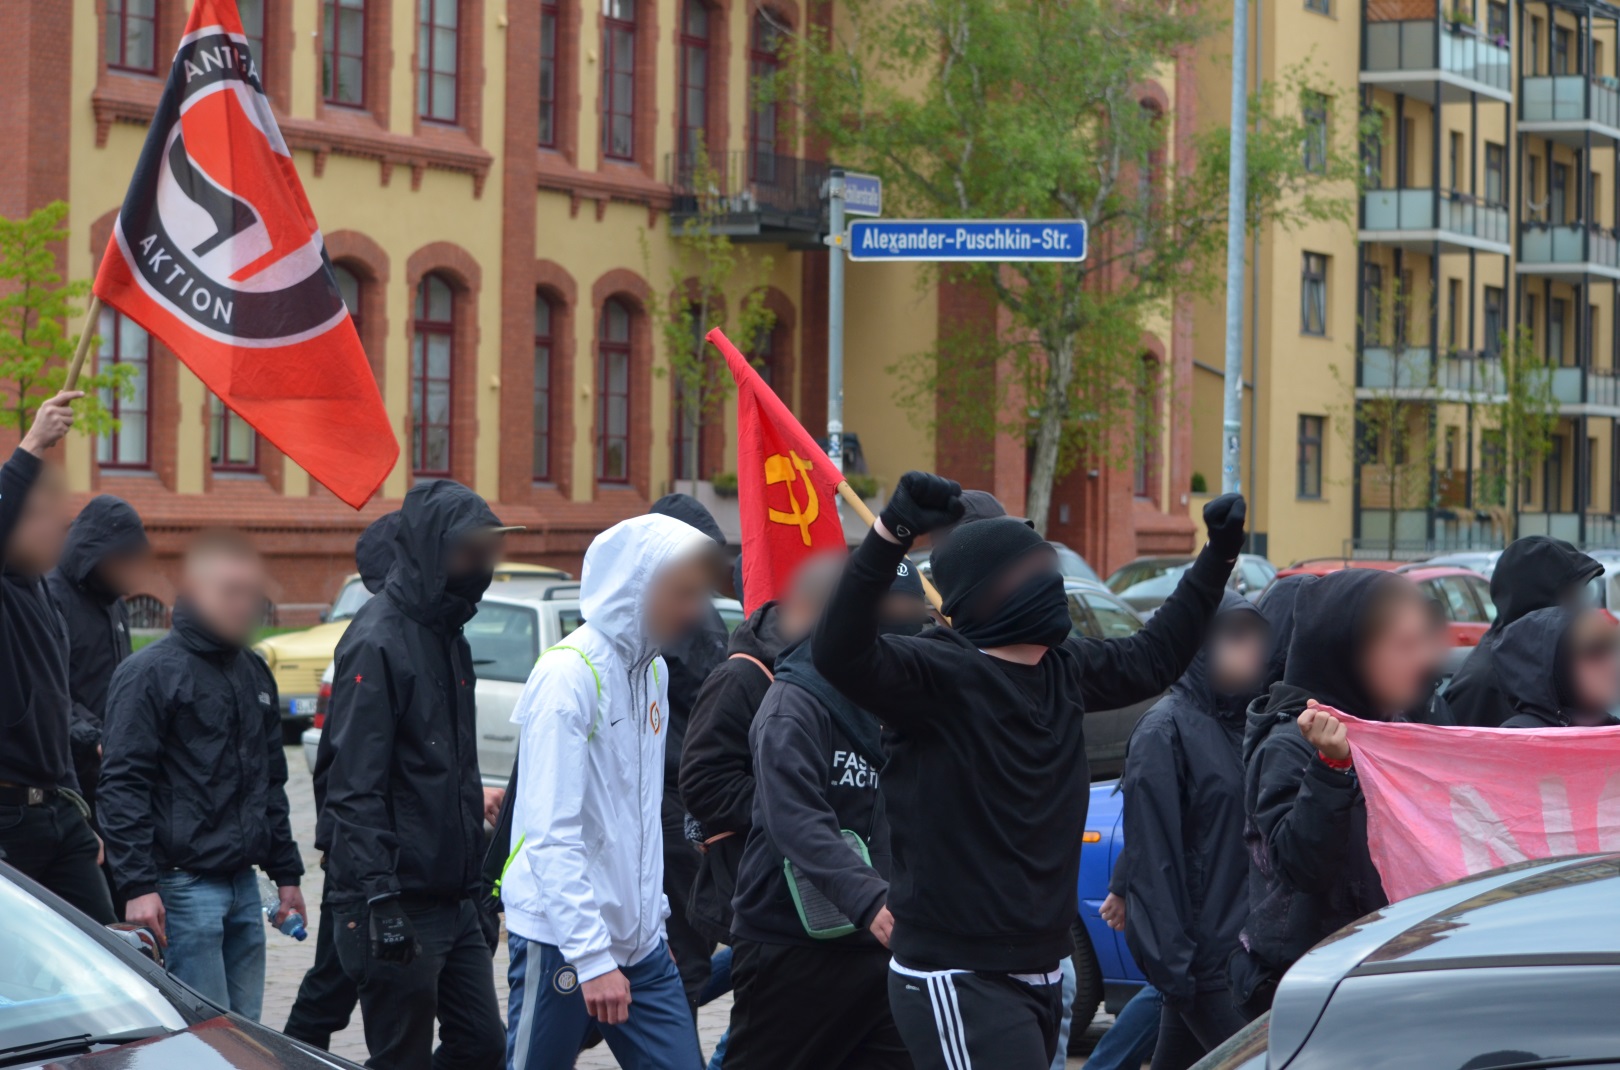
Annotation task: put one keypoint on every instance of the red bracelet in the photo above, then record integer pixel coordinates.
(1343, 765)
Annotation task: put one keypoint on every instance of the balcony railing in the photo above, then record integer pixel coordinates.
(1571, 98)
(1414, 368)
(1568, 243)
(1432, 44)
(1591, 386)
(1418, 209)
(748, 191)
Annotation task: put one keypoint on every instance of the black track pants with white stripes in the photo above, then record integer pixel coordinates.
(956, 1020)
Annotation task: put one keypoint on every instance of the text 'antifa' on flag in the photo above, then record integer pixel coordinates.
(216, 252)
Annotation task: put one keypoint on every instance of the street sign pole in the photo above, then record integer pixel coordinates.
(835, 324)
(1236, 231)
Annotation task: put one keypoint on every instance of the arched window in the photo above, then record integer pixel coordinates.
(1150, 175)
(764, 61)
(233, 445)
(613, 394)
(542, 388)
(548, 75)
(432, 357)
(690, 433)
(438, 60)
(1148, 429)
(131, 28)
(252, 13)
(619, 79)
(125, 342)
(694, 102)
(763, 356)
(349, 286)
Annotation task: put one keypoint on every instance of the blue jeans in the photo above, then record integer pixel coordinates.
(719, 984)
(216, 937)
(1129, 1042)
(547, 1021)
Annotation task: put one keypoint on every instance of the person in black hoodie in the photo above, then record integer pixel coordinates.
(987, 784)
(1560, 668)
(403, 818)
(1276, 604)
(327, 995)
(717, 766)
(193, 782)
(1535, 572)
(103, 561)
(1360, 645)
(44, 825)
(1186, 887)
(690, 660)
(817, 999)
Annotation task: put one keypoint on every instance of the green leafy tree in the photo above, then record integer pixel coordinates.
(1521, 421)
(707, 265)
(1025, 108)
(36, 306)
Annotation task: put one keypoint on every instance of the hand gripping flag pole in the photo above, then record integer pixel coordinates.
(783, 480)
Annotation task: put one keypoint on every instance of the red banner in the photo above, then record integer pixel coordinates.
(787, 493)
(1446, 803)
(216, 252)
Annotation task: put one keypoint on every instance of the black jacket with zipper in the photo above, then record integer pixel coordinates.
(96, 617)
(403, 812)
(194, 773)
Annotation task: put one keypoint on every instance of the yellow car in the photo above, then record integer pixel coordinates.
(298, 659)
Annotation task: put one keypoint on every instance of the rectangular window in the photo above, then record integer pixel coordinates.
(1495, 324)
(233, 445)
(548, 75)
(1455, 146)
(1314, 107)
(343, 52)
(542, 389)
(1496, 19)
(1532, 315)
(1321, 7)
(438, 58)
(1403, 310)
(1309, 482)
(613, 395)
(1372, 304)
(1372, 166)
(694, 101)
(619, 79)
(1313, 294)
(1591, 471)
(125, 343)
(1558, 195)
(1403, 153)
(1553, 477)
(1453, 448)
(1557, 312)
(764, 61)
(1454, 311)
(1534, 48)
(432, 359)
(1561, 50)
(252, 12)
(1495, 174)
(131, 31)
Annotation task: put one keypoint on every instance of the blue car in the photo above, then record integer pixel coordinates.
(1104, 970)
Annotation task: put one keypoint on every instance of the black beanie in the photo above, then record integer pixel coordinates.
(976, 553)
(907, 580)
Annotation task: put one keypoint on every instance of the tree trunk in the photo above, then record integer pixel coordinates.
(1050, 419)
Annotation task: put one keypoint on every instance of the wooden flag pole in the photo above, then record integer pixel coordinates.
(847, 492)
(91, 314)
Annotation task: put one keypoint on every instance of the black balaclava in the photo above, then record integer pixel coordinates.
(1330, 634)
(1234, 612)
(968, 566)
(469, 586)
(1277, 606)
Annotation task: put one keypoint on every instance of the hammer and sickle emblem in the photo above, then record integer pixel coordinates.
(780, 469)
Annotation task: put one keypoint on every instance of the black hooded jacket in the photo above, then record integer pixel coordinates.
(1533, 573)
(1277, 606)
(404, 807)
(1534, 673)
(97, 619)
(34, 748)
(194, 776)
(1187, 891)
(1306, 824)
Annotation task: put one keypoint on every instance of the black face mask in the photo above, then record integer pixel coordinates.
(469, 586)
(1037, 611)
(903, 627)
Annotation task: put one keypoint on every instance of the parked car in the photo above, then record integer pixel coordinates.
(1074, 566)
(297, 659)
(1146, 582)
(75, 995)
(506, 635)
(1096, 611)
(1322, 566)
(1104, 971)
(1515, 969)
(1480, 561)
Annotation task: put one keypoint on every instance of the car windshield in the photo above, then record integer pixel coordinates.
(56, 982)
(349, 600)
(1138, 573)
(1156, 584)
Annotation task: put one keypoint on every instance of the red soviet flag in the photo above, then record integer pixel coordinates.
(786, 487)
(217, 253)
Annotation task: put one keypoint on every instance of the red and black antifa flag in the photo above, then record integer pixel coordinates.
(217, 253)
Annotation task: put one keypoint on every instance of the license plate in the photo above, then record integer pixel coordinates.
(301, 707)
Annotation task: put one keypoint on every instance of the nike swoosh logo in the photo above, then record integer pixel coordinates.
(612, 723)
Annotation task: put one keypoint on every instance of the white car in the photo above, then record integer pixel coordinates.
(506, 635)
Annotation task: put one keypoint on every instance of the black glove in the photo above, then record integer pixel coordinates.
(921, 503)
(393, 937)
(1223, 517)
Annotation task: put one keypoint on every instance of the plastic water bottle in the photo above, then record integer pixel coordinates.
(270, 899)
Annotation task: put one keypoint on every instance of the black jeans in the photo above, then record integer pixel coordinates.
(53, 844)
(1189, 1031)
(689, 947)
(452, 980)
(327, 995)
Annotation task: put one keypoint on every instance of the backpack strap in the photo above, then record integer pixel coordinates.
(596, 717)
(769, 675)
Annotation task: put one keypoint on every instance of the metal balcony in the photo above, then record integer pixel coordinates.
(1417, 218)
(751, 196)
(1412, 373)
(1568, 250)
(1565, 107)
(1436, 60)
(1593, 391)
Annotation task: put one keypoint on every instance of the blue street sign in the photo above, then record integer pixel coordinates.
(967, 239)
(863, 194)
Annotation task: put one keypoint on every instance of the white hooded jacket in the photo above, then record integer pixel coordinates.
(587, 870)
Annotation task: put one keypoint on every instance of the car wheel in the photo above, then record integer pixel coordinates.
(1088, 984)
